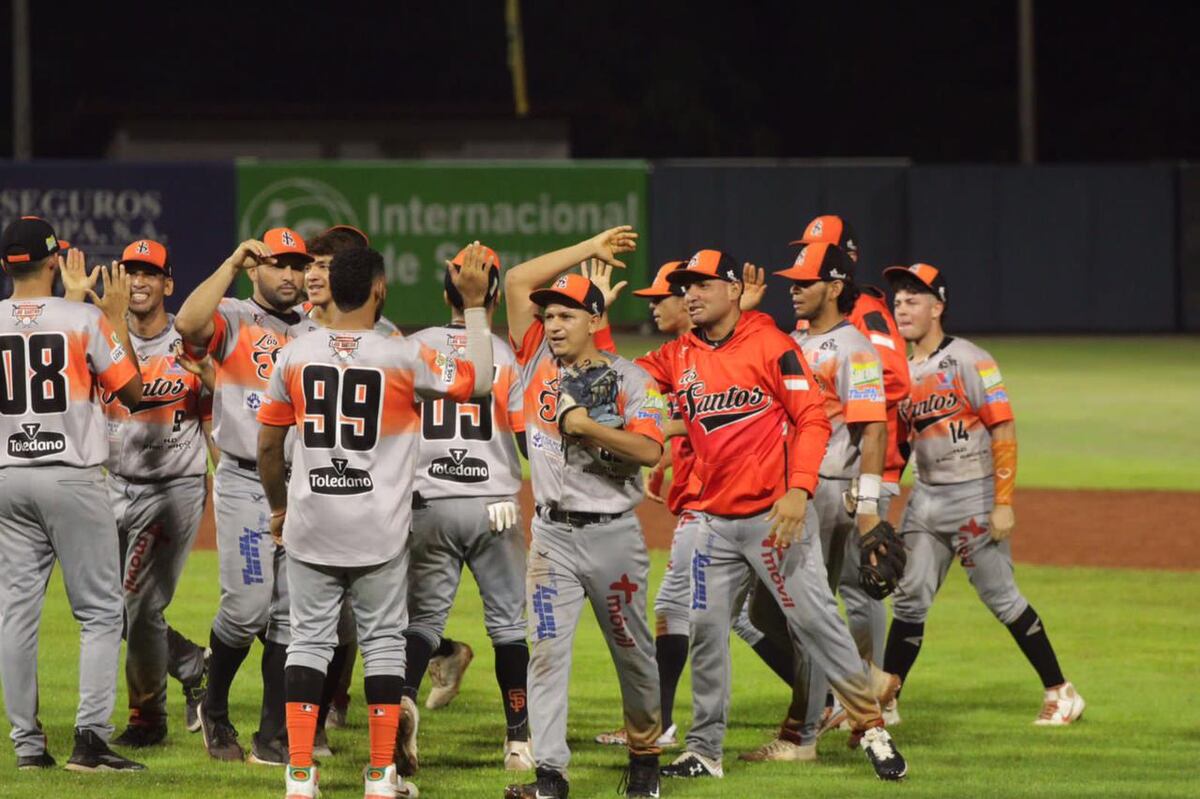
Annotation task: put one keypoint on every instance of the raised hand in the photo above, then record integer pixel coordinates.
(600, 273)
(613, 242)
(77, 281)
(115, 301)
(471, 279)
(249, 253)
(754, 286)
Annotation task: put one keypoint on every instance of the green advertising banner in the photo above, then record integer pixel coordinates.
(419, 214)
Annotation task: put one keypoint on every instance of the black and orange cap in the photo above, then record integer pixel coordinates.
(928, 276)
(574, 291)
(831, 229)
(145, 251)
(452, 292)
(819, 261)
(707, 265)
(661, 287)
(27, 239)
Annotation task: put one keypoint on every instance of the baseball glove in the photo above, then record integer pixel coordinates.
(879, 579)
(592, 386)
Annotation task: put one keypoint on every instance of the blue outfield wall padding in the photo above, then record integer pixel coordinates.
(102, 206)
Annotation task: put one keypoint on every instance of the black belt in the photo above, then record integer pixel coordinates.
(576, 518)
(250, 466)
(419, 502)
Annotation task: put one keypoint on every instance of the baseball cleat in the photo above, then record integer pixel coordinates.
(446, 675)
(884, 757)
(781, 750)
(220, 737)
(193, 693)
(891, 713)
(833, 718)
(139, 736)
(518, 756)
(267, 753)
(92, 754)
(615, 738)
(691, 764)
(407, 760)
(641, 777)
(34, 762)
(321, 745)
(1060, 707)
(548, 785)
(301, 783)
(406, 789)
(619, 738)
(379, 783)
(338, 711)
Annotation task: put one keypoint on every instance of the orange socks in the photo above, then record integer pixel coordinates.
(382, 722)
(302, 728)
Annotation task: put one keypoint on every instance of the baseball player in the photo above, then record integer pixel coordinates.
(465, 514)
(674, 599)
(850, 379)
(591, 421)
(55, 357)
(351, 393)
(157, 468)
(961, 429)
(755, 418)
(243, 337)
(872, 316)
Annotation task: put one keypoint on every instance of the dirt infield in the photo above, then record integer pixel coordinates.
(1129, 529)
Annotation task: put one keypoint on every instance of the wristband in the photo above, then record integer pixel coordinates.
(868, 487)
(276, 514)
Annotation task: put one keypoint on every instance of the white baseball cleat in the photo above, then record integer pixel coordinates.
(1060, 707)
(379, 783)
(407, 760)
(781, 750)
(302, 783)
(518, 756)
(446, 675)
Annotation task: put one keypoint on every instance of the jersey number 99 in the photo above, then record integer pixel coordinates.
(341, 404)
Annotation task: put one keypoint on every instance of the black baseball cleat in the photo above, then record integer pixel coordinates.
(641, 777)
(549, 785)
(92, 754)
(35, 762)
(220, 737)
(691, 765)
(888, 762)
(139, 736)
(267, 753)
(193, 695)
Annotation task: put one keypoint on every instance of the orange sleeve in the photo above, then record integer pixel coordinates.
(534, 336)
(603, 339)
(809, 431)
(277, 413)
(119, 372)
(1004, 469)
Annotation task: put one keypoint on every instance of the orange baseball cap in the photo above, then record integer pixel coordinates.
(574, 291)
(145, 251)
(831, 229)
(928, 276)
(821, 261)
(661, 288)
(285, 241)
(351, 229)
(493, 288)
(707, 265)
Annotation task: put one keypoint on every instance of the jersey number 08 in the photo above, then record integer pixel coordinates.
(33, 374)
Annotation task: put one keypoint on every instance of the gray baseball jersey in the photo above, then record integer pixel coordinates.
(55, 358)
(245, 342)
(162, 437)
(957, 394)
(353, 397)
(568, 475)
(850, 376)
(467, 449)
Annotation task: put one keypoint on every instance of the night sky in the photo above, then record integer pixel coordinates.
(930, 81)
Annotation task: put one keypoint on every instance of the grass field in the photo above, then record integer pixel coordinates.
(1099, 412)
(1130, 641)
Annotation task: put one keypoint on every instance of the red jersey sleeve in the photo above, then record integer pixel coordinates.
(657, 364)
(528, 346)
(603, 339)
(809, 430)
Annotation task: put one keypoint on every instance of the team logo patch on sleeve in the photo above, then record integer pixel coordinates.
(993, 383)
